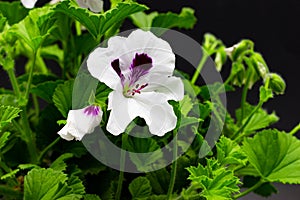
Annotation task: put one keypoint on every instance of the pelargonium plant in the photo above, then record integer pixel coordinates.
(92, 112)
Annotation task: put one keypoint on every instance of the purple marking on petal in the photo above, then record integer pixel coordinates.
(116, 66)
(141, 64)
(92, 110)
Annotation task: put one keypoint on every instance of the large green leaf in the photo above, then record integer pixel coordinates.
(40, 183)
(14, 11)
(35, 27)
(140, 188)
(62, 97)
(4, 139)
(45, 184)
(98, 24)
(59, 164)
(216, 181)
(7, 114)
(275, 155)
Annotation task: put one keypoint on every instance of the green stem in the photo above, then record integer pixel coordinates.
(174, 167)
(122, 165)
(78, 28)
(199, 68)
(42, 154)
(254, 187)
(295, 130)
(29, 138)
(244, 94)
(30, 75)
(246, 122)
(36, 105)
(14, 82)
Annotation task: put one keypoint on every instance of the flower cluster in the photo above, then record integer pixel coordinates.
(139, 70)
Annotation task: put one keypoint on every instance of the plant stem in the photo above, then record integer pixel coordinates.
(14, 82)
(30, 75)
(42, 154)
(244, 94)
(200, 66)
(254, 187)
(36, 105)
(122, 165)
(29, 138)
(174, 167)
(295, 130)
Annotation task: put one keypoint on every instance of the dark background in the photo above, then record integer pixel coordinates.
(274, 28)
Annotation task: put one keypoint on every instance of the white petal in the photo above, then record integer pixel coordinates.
(82, 3)
(99, 65)
(95, 5)
(159, 50)
(79, 124)
(119, 117)
(162, 119)
(28, 3)
(172, 87)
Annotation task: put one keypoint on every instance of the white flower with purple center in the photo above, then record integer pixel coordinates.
(81, 122)
(139, 69)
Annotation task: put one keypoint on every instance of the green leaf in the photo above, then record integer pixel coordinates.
(186, 19)
(216, 181)
(146, 152)
(98, 24)
(59, 164)
(62, 97)
(159, 180)
(230, 153)
(76, 185)
(13, 12)
(185, 105)
(46, 90)
(53, 52)
(265, 190)
(4, 139)
(261, 119)
(265, 94)
(140, 188)
(39, 182)
(143, 20)
(10, 174)
(7, 114)
(275, 155)
(34, 28)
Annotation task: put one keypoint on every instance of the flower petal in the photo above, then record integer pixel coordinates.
(80, 123)
(119, 117)
(172, 87)
(28, 3)
(159, 50)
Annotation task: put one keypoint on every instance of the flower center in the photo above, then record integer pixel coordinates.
(140, 66)
(92, 110)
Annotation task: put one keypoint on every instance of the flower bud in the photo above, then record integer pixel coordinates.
(276, 83)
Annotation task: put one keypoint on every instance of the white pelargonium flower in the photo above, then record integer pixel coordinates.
(139, 69)
(95, 6)
(81, 122)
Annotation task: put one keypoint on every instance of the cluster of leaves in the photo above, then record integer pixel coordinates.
(35, 164)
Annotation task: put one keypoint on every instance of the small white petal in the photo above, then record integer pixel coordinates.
(28, 3)
(79, 124)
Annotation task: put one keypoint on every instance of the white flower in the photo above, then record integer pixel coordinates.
(28, 3)
(81, 122)
(139, 70)
(94, 5)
